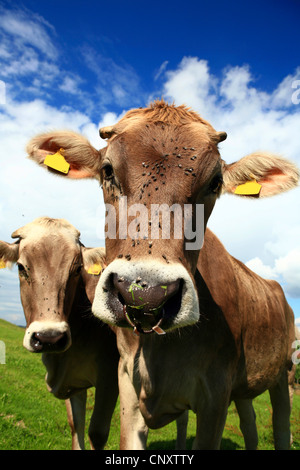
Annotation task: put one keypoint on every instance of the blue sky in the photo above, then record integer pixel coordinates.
(82, 64)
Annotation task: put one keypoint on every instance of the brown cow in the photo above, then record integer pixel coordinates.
(243, 328)
(78, 350)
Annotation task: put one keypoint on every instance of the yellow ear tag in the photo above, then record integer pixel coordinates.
(95, 269)
(251, 188)
(2, 264)
(57, 162)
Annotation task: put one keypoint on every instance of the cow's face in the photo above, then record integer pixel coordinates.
(161, 155)
(49, 259)
(155, 175)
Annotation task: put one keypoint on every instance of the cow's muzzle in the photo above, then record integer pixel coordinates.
(145, 307)
(150, 297)
(43, 337)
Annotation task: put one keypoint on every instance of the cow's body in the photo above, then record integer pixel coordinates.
(228, 359)
(79, 351)
(235, 330)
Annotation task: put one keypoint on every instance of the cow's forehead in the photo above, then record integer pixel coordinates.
(159, 125)
(142, 140)
(167, 131)
(161, 154)
(59, 243)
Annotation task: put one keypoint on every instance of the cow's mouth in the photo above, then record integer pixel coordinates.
(137, 326)
(145, 308)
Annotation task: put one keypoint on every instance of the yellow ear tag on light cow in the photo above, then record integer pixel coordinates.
(251, 188)
(2, 264)
(57, 162)
(95, 269)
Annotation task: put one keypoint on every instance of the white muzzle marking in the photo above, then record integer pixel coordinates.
(45, 328)
(153, 273)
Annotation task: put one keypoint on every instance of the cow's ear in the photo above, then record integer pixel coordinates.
(93, 265)
(65, 153)
(260, 175)
(9, 253)
(94, 260)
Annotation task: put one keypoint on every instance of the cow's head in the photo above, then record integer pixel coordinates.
(50, 261)
(159, 155)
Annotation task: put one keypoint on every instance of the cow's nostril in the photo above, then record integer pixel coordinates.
(35, 343)
(121, 299)
(173, 304)
(47, 342)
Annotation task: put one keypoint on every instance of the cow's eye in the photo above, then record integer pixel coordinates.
(20, 267)
(108, 171)
(216, 184)
(78, 270)
(22, 271)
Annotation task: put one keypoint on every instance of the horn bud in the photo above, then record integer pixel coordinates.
(221, 136)
(17, 234)
(106, 132)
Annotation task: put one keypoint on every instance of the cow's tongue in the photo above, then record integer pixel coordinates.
(136, 324)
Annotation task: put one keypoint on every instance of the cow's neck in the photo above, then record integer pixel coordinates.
(80, 310)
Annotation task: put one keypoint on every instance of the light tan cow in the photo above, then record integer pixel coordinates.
(78, 350)
(229, 332)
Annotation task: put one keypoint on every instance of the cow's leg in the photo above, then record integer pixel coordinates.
(134, 431)
(247, 422)
(211, 417)
(181, 424)
(76, 406)
(106, 395)
(280, 400)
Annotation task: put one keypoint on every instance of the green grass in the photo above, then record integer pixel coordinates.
(31, 418)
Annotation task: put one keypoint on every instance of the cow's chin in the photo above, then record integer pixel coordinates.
(154, 312)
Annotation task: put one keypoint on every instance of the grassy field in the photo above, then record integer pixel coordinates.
(31, 418)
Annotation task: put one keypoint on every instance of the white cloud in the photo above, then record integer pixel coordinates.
(10, 304)
(191, 84)
(261, 269)
(116, 83)
(289, 267)
(28, 29)
(161, 70)
(286, 270)
(27, 47)
(70, 85)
